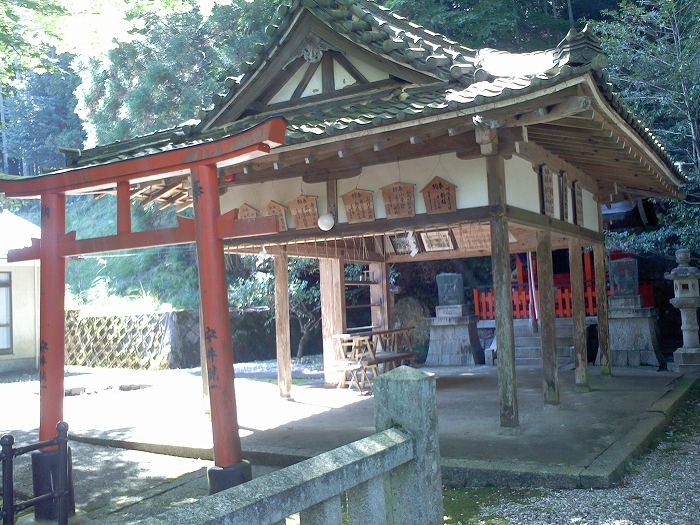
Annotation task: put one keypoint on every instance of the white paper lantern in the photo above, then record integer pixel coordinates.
(326, 222)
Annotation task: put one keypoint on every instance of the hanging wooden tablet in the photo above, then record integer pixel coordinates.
(277, 210)
(440, 196)
(399, 200)
(578, 195)
(304, 210)
(563, 197)
(359, 206)
(246, 211)
(474, 237)
(547, 191)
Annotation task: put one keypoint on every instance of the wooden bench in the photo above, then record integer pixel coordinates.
(363, 354)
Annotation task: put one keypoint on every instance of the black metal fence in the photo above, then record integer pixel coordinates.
(60, 493)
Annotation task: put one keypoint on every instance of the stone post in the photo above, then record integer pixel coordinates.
(405, 397)
(687, 300)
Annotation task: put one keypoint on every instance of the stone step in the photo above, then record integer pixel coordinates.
(531, 340)
(535, 351)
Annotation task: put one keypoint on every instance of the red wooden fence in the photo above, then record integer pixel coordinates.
(484, 304)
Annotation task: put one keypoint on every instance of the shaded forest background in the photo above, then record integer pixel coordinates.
(71, 77)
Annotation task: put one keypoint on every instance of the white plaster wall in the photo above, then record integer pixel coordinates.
(468, 175)
(260, 194)
(590, 211)
(285, 93)
(341, 76)
(371, 73)
(522, 187)
(24, 315)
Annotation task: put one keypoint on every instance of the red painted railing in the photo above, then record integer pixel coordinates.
(484, 303)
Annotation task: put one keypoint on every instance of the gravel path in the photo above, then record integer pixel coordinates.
(662, 489)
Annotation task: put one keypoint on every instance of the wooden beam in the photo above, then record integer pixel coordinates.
(350, 68)
(542, 222)
(601, 295)
(328, 74)
(379, 295)
(501, 271)
(332, 281)
(548, 335)
(123, 207)
(238, 148)
(284, 347)
(422, 221)
(305, 80)
(578, 314)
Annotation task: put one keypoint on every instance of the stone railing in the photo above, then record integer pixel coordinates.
(389, 478)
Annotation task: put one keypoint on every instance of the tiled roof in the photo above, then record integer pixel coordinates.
(463, 77)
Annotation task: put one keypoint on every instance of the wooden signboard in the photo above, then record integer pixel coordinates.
(304, 210)
(578, 209)
(563, 197)
(277, 210)
(547, 191)
(399, 200)
(246, 211)
(359, 206)
(440, 196)
(437, 241)
(474, 237)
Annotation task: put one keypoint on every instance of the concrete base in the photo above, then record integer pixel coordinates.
(686, 360)
(222, 478)
(633, 340)
(454, 341)
(44, 473)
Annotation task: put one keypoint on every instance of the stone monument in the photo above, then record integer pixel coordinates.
(633, 340)
(687, 300)
(454, 340)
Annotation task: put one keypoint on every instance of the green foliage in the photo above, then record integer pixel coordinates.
(170, 67)
(654, 49)
(40, 118)
(514, 25)
(25, 28)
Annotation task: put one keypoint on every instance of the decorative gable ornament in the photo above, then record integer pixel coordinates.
(440, 196)
(359, 205)
(277, 210)
(304, 210)
(246, 211)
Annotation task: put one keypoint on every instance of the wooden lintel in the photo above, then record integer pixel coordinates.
(229, 228)
(539, 221)
(31, 253)
(182, 234)
(378, 226)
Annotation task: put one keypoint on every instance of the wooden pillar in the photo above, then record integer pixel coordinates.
(215, 318)
(284, 350)
(502, 289)
(51, 314)
(601, 296)
(379, 295)
(123, 207)
(548, 336)
(578, 315)
(332, 276)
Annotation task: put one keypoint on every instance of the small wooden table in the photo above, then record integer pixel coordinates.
(361, 354)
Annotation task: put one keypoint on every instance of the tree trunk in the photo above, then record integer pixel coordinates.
(571, 14)
(303, 340)
(3, 136)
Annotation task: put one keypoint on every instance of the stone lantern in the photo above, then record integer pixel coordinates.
(687, 300)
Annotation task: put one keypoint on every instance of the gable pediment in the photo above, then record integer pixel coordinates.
(311, 63)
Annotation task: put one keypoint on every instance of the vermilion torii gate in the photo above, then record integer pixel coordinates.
(208, 230)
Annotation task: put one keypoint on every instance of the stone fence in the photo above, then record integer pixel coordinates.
(389, 478)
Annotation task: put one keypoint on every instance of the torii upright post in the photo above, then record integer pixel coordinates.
(230, 468)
